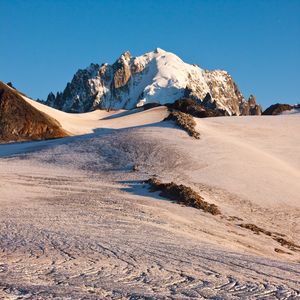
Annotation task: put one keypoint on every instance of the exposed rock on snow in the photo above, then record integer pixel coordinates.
(158, 76)
(184, 121)
(196, 109)
(182, 194)
(19, 121)
(278, 108)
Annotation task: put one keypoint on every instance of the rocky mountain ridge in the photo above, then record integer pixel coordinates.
(19, 121)
(279, 108)
(155, 77)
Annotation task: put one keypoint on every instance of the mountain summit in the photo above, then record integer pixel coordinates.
(155, 77)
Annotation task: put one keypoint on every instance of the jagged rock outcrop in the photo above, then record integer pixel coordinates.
(251, 108)
(122, 71)
(155, 77)
(252, 101)
(278, 108)
(19, 121)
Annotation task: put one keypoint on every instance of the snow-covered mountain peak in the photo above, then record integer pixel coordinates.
(158, 76)
(159, 50)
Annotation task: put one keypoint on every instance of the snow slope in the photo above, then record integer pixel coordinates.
(260, 157)
(248, 161)
(77, 222)
(85, 123)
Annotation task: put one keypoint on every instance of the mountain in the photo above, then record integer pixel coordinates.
(279, 108)
(155, 77)
(20, 121)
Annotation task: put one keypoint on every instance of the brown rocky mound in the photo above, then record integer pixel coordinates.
(19, 121)
(276, 236)
(182, 194)
(256, 229)
(184, 121)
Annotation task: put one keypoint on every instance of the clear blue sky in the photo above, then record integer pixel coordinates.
(43, 43)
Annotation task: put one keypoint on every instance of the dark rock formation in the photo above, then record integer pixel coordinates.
(192, 107)
(208, 102)
(70, 100)
(182, 194)
(184, 121)
(255, 109)
(19, 121)
(278, 108)
(251, 108)
(11, 85)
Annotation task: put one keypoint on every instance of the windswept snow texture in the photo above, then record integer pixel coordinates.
(76, 222)
(158, 76)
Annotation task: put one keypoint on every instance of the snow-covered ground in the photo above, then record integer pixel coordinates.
(77, 222)
(77, 124)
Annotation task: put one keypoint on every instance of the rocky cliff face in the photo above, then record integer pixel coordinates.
(155, 77)
(19, 121)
